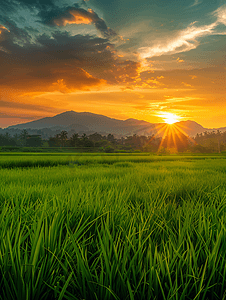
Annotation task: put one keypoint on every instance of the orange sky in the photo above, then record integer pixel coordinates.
(81, 58)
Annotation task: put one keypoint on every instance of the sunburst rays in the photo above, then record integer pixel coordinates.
(174, 137)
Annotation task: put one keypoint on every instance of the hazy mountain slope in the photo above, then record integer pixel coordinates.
(87, 122)
(190, 127)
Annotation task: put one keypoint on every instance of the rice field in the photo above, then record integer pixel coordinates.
(112, 227)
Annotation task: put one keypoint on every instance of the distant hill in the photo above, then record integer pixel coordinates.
(86, 122)
(191, 128)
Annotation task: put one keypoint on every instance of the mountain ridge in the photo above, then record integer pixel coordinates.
(87, 122)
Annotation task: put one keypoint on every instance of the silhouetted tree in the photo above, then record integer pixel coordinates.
(23, 137)
(54, 141)
(74, 140)
(111, 138)
(95, 137)
(152, 144)
(85, 142)
(34, 141)
(63, 137)
(7, 140)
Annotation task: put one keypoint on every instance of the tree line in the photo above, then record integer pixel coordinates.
(207, 142)
(211, 141)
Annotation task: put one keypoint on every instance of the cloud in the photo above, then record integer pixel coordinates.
(3, 36)
(180, 60)
(186, 39)
(44, 79)
(206, 80)
(12, 6)
(197, 2)
(19, 116)
(77, 15)
(4, 104)
(65, 63)
(58, 63)
(3, 29)
(74, 18)
(11, 33)
(187, 84)
(220, 13)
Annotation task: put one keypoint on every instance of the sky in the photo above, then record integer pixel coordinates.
(123, 59)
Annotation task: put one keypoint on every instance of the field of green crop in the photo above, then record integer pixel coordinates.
(99, 227)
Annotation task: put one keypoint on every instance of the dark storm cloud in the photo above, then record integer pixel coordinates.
(60, 62)
(13, 32)
(37, 3)
(55, 63)
(76, 15)
(3, 32)
(9, 6)
(51, 14)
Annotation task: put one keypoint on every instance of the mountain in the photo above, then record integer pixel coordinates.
(191, 128)
(86, 122)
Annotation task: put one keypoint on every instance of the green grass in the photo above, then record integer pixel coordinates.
(113, 227)
(27, 160)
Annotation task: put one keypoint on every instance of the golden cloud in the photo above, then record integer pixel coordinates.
(76, 18)
(186, 39)
(3, 28)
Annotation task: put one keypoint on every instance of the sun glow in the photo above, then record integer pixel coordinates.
(170, 118)
(173, 138)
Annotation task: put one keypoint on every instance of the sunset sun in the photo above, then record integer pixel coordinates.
(170, 118)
